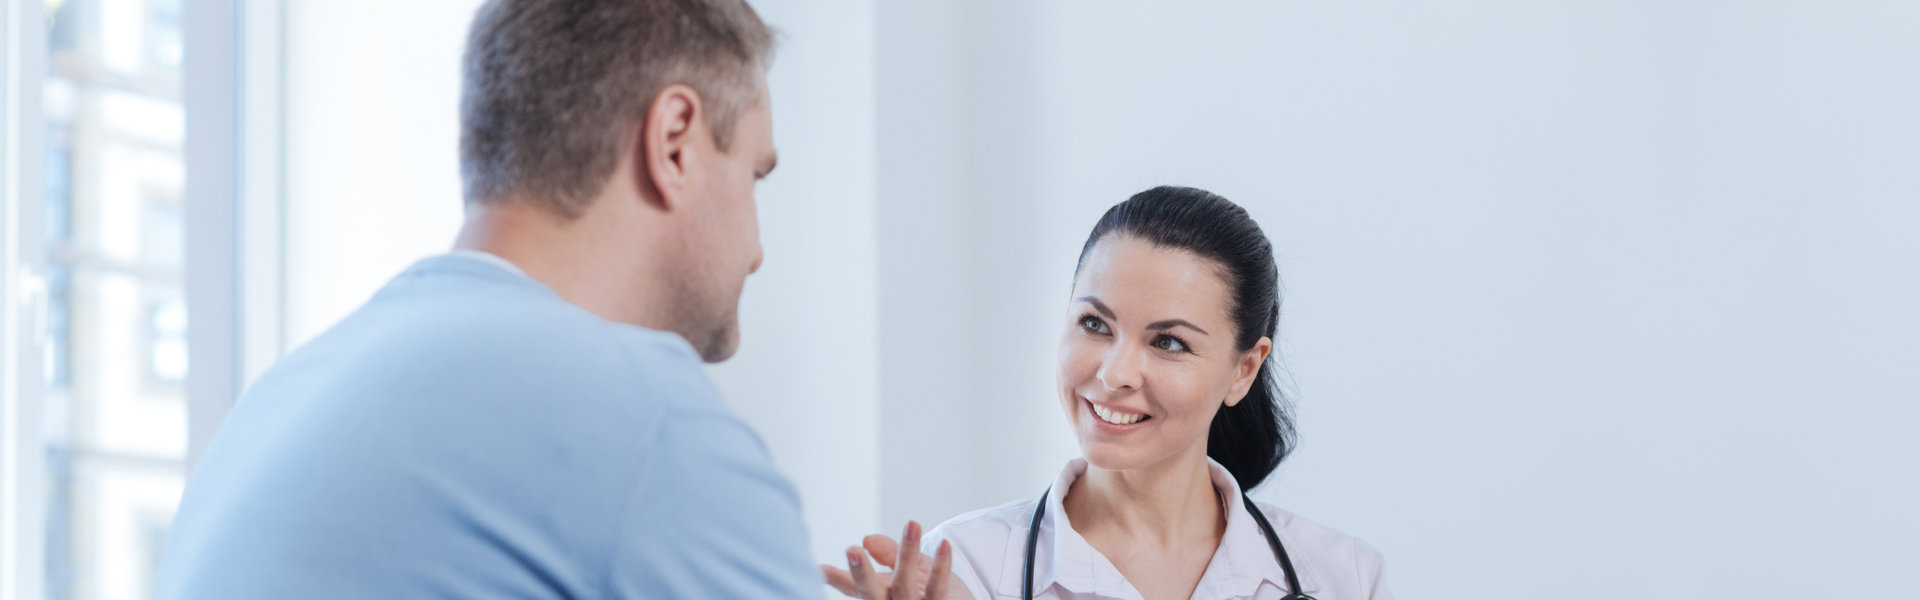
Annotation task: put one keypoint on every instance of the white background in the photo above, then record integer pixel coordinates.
(1583, 298)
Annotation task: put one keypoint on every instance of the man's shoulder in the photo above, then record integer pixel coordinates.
(495, 333)
(385, 430)
(551, 387)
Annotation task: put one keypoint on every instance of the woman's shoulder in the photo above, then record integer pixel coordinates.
(991, 525)
(1304, 529)
(982, 542)
(1345, 558)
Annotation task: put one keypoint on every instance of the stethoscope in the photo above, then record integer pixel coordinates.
(1273, 539)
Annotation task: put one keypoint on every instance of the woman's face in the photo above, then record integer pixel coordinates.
(1148, 355)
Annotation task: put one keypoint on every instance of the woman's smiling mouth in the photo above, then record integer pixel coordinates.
(1114, 416)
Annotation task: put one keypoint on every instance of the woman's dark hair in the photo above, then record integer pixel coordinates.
(1252, 437)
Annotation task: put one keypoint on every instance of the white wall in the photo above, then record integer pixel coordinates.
(805, 373)
(963, 424)
(372, 148)
(1583, 298)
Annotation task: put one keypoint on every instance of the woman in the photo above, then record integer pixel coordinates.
(1167, 378)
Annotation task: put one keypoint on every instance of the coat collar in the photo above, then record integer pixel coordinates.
(1242, 563)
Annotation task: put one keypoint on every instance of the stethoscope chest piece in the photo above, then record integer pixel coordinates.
(1273, 539)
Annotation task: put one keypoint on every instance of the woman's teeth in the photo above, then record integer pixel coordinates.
(1114, 416)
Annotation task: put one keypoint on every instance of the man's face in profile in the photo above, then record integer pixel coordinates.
(727, 246)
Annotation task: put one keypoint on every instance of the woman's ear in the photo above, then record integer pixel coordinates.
(1248, 369)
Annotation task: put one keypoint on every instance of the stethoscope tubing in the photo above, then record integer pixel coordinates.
(1273, 539)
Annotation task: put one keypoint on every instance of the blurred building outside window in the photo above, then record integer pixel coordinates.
(114, 409)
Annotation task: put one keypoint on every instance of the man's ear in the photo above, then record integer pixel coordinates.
(666, 144)
(1248, 369)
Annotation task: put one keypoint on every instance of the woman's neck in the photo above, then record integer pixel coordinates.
(1168, 504)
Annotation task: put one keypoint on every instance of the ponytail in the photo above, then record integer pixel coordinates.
(1251, 437)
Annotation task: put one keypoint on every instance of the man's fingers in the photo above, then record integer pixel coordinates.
(910, 568)
(882, 548)
(866, 585)
(908, 565)
(942, 575)
(841, 580)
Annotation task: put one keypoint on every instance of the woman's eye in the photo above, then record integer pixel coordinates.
(1093, 324)
(1170, 344)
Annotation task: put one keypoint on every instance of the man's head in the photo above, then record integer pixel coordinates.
(640, 127)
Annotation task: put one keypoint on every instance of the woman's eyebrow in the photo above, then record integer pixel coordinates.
(1100, 306)
(1172, 323)
(1155, 326)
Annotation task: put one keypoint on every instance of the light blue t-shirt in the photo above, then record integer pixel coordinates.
(469, 434)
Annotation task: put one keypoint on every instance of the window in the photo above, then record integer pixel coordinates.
(117, 360)
(114, 407)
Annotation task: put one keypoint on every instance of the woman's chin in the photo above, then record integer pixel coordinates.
(1109, 456)
(1129, 453)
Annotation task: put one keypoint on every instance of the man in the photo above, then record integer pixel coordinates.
(528, 416)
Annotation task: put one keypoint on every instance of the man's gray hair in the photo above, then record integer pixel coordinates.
(554, 88)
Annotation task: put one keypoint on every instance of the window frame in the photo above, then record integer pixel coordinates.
(23, 301)
(235, 204)
(231, 91)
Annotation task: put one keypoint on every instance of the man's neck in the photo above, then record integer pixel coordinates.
(586, 261)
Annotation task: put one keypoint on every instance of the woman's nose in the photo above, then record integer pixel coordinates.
(1120, 370)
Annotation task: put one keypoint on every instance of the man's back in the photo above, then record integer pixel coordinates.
(468, 433)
